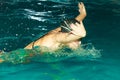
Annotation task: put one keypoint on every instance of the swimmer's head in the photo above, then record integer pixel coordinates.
(65, 26)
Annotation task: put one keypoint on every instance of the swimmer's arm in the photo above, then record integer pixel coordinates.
(66, 37)
(82, 11)
(77, 33)
(30, 46)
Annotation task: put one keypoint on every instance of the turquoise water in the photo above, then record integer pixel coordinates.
(22, 21)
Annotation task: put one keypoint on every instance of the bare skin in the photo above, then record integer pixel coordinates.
(54, 39)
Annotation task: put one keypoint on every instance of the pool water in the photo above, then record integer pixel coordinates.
(22, 21)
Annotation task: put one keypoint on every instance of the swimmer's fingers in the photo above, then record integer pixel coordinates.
(75, 28)
(79, 6)
(78, 24)
(82, 9)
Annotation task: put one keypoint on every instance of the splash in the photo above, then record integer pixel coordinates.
(87, 51)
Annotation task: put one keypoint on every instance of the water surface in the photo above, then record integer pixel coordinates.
(22, 21)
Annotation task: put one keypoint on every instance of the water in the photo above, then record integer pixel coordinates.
(22, 21)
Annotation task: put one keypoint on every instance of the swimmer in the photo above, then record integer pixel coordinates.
(68, 34)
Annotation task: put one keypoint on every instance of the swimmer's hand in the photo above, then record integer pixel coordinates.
(82, 9)
(78, 29)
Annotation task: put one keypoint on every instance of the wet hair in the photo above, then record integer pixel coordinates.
(65, 25)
